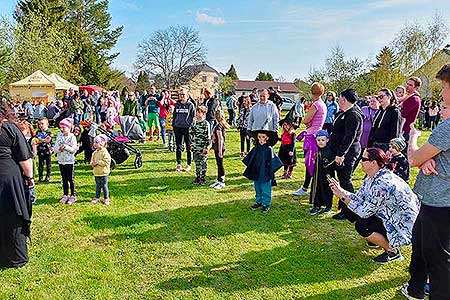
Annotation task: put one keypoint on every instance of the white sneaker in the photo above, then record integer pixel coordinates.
(405, 293)
(219, 185)
(214, 184)
(178, 168)
(300, 192)
(187, 168)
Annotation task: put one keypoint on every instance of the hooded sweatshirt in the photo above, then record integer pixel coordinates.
(386, 125)
(183, 114)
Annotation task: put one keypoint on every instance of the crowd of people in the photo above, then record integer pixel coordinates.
(342, 131)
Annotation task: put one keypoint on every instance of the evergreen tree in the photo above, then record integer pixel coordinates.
(264, 76)
(143, 82)
(232, 73)
(53, 10)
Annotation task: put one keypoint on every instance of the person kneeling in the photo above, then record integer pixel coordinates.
(386, 206)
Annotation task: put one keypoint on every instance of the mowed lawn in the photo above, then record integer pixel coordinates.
(164, 238)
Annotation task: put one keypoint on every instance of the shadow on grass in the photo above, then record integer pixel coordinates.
(309, 256)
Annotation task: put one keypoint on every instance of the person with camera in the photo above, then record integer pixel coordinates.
(385, 205)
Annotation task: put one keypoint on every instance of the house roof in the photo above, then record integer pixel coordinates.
(440, 54)
(248, 85)
(191, 71)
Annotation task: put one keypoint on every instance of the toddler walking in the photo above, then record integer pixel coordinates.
(101, 162)
(65, 148)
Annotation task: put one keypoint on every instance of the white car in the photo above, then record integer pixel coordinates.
(287, 103)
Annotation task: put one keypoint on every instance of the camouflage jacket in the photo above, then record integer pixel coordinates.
(200, 135)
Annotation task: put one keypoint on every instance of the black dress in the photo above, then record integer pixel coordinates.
(15, 205)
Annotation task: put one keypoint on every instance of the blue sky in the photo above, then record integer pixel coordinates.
(285, 37)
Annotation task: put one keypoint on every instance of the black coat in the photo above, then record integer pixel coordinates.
(262, 163)
(347, 128)
(386, 125)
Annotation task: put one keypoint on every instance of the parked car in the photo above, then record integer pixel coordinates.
(287, 103)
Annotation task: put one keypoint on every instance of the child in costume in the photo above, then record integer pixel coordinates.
(287, 152)
(200, 139)
(101, 162)
(262, 163)
(143, 125)
(321, 193)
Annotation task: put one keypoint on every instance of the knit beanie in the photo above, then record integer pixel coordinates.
(322, 133)
(67, 122)
(398, 144)
(101, 139)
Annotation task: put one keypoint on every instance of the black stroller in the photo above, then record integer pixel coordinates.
(119, 150)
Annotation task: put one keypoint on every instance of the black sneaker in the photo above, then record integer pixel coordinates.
(339, 216)
(255, 206)
(265, 209)
(405, 293)
(388, 256)
(326, 211)
(372, 245)
(196, 180)
(314, 211)
(201, 182)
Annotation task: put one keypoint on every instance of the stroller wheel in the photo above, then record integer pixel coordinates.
(113, 164)
(138, 162)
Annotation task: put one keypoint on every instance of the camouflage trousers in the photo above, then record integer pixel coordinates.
(201, 164)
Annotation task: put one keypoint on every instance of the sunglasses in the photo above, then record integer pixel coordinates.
(380, 97)
(365, 159)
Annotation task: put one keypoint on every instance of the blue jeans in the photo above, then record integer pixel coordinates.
(102, 184)
(77, 119)
(97, 114)
(211, 125)
(162, 124)
(263, 191)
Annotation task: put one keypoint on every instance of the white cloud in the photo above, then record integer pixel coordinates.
(205, 18)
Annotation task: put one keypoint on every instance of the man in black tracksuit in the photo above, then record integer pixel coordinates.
(344, 142)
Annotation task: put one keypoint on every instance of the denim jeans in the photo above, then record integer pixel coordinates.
(102, 184)
(162, 124)
(263, 191)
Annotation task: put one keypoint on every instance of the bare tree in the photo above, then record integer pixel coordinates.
(171, 54)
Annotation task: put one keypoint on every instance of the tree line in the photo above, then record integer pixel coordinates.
(73, 38)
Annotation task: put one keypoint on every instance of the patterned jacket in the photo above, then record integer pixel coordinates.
(391, 199)
(200, 135)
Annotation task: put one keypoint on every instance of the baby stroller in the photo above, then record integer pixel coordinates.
(118, 149)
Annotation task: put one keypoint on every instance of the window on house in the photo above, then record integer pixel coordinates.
(203, 78)
(216, 79)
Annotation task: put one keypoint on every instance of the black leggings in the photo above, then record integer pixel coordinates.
(244, 140)
(220, 169)
(180, 135)
(68, 179)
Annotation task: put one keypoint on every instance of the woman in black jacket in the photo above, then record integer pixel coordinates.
(386, 125)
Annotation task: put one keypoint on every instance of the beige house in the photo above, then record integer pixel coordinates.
(431, 88)
(202, 76)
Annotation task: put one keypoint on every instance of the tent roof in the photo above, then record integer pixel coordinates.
(38, 78)
(61, 83)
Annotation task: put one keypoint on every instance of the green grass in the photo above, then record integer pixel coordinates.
(163, 238)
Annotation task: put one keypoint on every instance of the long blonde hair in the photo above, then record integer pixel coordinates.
(220, 118)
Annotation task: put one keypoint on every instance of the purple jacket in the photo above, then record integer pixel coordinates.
(369, 116)
(310, 148)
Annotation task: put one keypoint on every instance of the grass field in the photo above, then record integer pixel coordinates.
(163, 238)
